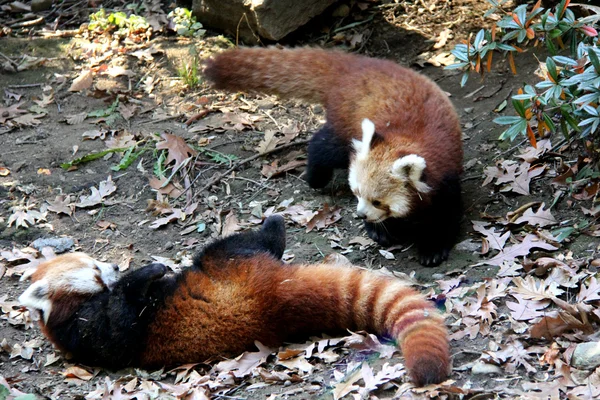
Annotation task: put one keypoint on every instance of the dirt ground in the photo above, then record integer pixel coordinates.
(119, 230)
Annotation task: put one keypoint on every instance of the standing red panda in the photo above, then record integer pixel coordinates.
(237, 291)
(395, 130)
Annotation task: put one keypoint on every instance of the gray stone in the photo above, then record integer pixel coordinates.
(586, 355)
(40, 5)
(58, 244)
(269, 19)
(481, 368)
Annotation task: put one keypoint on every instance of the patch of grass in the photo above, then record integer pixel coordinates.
(188, 72)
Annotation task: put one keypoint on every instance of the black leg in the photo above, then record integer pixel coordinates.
(389, 232)
(437, 232)
(269, 239)
(325, 153)
(134, 286)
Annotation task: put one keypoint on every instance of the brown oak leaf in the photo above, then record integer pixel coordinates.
(105, 188)
(11, 112)
(539, 218)
(61, 204)
(324, 218)
(82, 82)
(507, 254)
(495, 240)
(178, 149)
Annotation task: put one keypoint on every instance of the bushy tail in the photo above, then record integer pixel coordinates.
(349, 298)
(302, 73)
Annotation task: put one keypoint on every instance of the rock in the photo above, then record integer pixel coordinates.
(468, 245)
(586, 356)
(40, 5)
(269, 19)
(481, 368)
(58, 244)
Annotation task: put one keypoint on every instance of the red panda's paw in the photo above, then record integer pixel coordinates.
(433, 258)
(385, 233)
(136, 283)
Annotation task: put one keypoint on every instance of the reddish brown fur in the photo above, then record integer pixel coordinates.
(224, 311)
(409, 110)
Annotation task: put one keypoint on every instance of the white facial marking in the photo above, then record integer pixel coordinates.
(108, 272)
(410, 168)
(36, 297)
(353, 176)
(372, 213)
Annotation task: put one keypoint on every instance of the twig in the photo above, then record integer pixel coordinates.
(217, 178)
(13, 63)
(515, 214)
(198, 116)
(27, 23)
(28, 85)
(513, 148)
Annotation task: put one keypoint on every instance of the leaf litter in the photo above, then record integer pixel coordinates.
(537, 295)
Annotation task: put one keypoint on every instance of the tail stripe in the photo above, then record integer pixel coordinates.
(404, 302)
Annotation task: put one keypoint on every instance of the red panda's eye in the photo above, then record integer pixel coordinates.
(376, 203)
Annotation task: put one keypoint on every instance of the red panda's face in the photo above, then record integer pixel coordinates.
(386, 187)
(75, 273)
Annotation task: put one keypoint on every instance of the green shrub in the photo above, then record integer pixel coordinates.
(567, 99)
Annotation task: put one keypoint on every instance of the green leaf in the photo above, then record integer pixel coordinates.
(562, 233)
(594, 59)
(551, 65)
(91, 157)
(519, 107)
(464, 79)
(512, 132)
(128, 158)
(551, 46)
(456, 66)
(159, 165)
(507, 120)
(549, 122)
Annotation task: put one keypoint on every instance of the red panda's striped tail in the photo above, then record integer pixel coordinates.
(304, 73)
(348, 298)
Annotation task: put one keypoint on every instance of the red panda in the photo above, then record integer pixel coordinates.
(237, 291)
(393, 128)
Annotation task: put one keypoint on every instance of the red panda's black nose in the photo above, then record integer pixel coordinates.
(361, 215)
(115, 267)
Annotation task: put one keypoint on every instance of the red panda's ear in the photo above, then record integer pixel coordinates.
(36, 295)
(362, 147)
(410, 169)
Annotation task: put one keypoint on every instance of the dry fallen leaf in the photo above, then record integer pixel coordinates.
(83, 81)
(105, 188)
(231, 224)
(324, 218)
(509, 253)
(539, 218)
(268, 143)
(178, 149)
(494, 239)
(245, 363)
(76, 118)
(78, 372)
(120, 140)
(61, 204)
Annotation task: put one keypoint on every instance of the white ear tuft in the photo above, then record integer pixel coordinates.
(410, 168)
(368, 129)
(357, 144)
(36, 297)
(362, 147)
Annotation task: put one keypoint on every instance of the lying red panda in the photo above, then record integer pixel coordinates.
(237, 291)
(395, 130)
